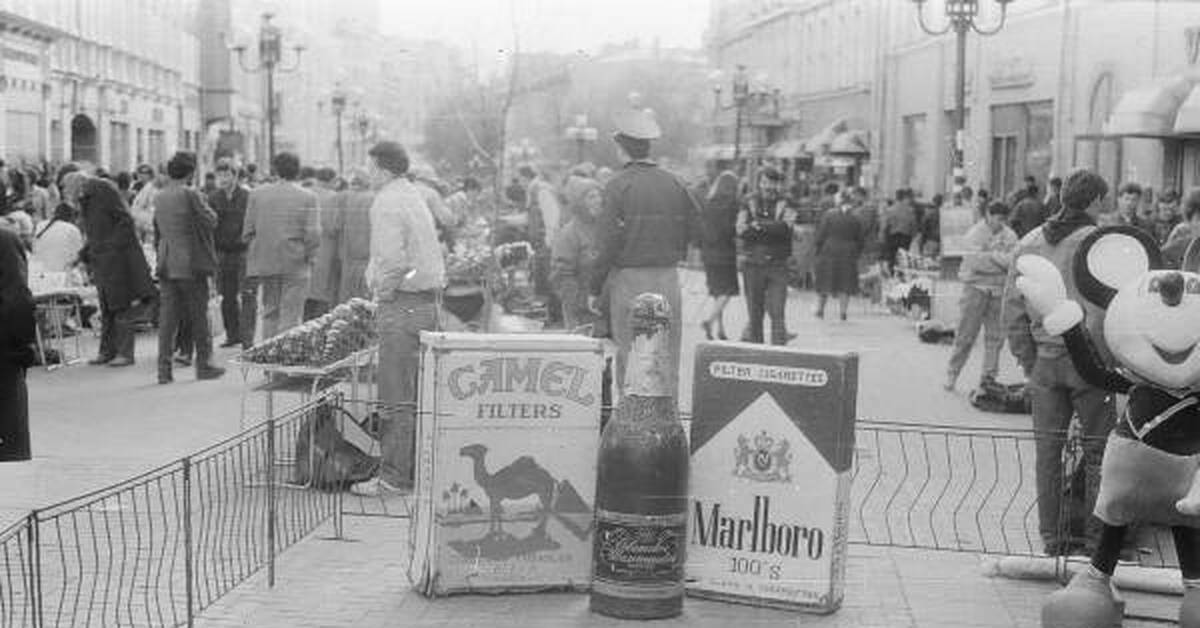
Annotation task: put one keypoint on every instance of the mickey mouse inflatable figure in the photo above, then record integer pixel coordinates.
(1151, 468)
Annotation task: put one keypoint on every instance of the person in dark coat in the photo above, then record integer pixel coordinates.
(186, 259)
(237, 293)
(114, 257)
(718, 250)
(839, 243)
(765, 223)
(17, 336)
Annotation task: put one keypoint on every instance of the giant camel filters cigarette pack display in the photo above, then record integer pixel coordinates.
(772, 444)
(508, 430)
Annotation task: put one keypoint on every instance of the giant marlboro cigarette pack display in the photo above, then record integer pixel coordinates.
(772, 443)
(507, 435)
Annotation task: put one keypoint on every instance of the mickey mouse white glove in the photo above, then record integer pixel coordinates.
(1042, 286)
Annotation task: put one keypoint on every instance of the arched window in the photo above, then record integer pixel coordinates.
(1100, 104)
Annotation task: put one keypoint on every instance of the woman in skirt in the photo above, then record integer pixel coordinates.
(839, 243)
(718, 250)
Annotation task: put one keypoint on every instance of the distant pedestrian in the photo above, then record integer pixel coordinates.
(353, 229)
(515, 193)
(930, 231)
(116, 261)
(1028, 212)
(839, 243)
(765, 224)
(239, 305)
(57, 242)
(1129, 200)
(899, 227)
(718, 248)
(18, 333)
(1185, 232)
(987, 256)
(649, 219)
(573, 256)
(282, 233)
(1166, 216)
(186, 259)
(545, 219)
(406, 274)
(1053, 201)
(322, 285)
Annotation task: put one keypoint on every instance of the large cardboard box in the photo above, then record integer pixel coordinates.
(507, 438)
(772, 447)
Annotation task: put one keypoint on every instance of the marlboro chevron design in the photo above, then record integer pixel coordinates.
(772, 444)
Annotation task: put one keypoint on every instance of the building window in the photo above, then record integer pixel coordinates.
(1022, 136)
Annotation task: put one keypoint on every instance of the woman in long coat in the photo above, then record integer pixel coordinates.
(118, 266)
(17, 336)
(839, 243)
(718, 250)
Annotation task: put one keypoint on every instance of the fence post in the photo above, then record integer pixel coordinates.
(188, 559)
(34, 553)
(271, 501)
(340, 402)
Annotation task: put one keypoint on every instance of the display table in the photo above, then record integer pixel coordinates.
(307, 381)
(56, 304)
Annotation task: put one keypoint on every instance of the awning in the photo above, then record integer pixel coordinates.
(787, 149)
(824, 141)
(850, 143)
(1187, 119)
(1150, 110)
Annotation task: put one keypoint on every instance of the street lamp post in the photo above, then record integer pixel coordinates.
(270, 57)
(745, 93)
(581, 133)
(338, 103)
(960, 17)
(363, 123)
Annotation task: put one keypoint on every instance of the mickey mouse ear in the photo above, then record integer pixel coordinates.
(1109, 258)
(1191, 259)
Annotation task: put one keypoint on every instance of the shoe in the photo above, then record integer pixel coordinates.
(791, 337)
(165, 378)
(707, 327)
(378, 486)
(101, 360)
(230, 343)
(120, 361)
(721, 335)
(950, 381)
(843, 315)
(209, 372)
(819, 313)
(182, 360)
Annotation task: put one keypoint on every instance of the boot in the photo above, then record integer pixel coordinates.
(1087, 601)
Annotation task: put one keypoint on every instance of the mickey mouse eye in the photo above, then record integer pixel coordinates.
(1155, 282)
(1193, 285)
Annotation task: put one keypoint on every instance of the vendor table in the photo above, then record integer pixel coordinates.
(57, 306)
(306, 380)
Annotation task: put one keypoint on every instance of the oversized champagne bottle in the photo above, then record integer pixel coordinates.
(642, 482)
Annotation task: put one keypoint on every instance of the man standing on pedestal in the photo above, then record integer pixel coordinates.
(405, 274)
(649, 218)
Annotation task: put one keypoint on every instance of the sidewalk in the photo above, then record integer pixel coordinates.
(361, 582)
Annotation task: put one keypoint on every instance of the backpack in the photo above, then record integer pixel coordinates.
(992, 396)
(324, 459)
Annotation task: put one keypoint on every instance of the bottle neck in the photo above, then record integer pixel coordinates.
(648, 367)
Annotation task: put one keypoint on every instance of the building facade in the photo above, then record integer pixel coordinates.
(111, 82)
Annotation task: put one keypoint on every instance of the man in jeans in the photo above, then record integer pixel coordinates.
(989, 244)
(765, 226)
(1057, 389)
(282, 233)
(229, 201)
(405, 273)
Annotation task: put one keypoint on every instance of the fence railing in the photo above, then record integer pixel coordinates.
(156, 549)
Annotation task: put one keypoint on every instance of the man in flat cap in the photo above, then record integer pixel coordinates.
(649, 218)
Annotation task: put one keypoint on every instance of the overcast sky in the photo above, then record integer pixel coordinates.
(546, 25)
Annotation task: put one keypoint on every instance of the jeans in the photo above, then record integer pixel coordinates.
(401, 317)
(238, 298)
(978, 308)
(183, 300)
(282, 302)
(116, 331)
(766, 293)
(1058, 391)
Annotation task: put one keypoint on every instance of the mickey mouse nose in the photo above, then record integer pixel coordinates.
(1171, 289)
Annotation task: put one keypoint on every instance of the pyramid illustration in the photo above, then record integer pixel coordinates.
(568, 500)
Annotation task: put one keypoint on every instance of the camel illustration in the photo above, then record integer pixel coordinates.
(523, 477)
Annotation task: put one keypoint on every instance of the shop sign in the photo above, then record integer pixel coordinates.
(772, 444)
(1012, 72)
(508, 433)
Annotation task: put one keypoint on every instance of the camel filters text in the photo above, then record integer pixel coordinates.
(711, 527)
(551, 379)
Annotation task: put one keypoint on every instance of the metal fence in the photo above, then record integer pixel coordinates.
(156, 549)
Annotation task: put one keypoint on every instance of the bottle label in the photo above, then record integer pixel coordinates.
(639, 556)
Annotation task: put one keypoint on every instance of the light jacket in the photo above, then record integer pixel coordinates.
(405, 253)
(281, 230)
(987, 256)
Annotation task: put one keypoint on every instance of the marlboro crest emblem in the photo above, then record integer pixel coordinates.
(767, 460)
